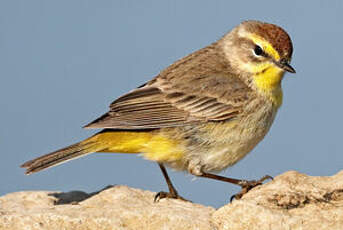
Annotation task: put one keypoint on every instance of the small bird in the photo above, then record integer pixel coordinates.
(202, 114)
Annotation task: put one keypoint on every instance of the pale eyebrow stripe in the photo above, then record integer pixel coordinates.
(265, 45)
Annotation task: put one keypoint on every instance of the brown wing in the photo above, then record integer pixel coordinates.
(153, 107)
(140, 109)
(197, 88)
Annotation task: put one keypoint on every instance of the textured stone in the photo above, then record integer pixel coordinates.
(291, 201)
(118, 207)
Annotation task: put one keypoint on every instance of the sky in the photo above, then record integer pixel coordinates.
(63, 62)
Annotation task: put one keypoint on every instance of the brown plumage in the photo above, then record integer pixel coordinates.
(197, 88)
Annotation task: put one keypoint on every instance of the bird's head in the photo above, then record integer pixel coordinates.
(255, 47)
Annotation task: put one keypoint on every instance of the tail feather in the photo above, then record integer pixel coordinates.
(60, 156)
(104, 141)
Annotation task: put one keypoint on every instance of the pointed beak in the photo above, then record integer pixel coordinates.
(283, 64)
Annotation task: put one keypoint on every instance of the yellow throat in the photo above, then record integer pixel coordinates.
(268, 76)
(268, 81)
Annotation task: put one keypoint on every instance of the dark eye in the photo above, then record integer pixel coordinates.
(258, 50)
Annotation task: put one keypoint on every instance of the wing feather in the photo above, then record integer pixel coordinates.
(195, 89)
(150, 108)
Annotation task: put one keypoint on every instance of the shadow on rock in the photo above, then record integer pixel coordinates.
(74, 197)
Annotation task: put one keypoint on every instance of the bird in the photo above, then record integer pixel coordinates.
(202, 114)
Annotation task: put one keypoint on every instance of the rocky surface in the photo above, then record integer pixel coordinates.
(291, 201)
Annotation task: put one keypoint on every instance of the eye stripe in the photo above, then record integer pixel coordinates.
(265, 45)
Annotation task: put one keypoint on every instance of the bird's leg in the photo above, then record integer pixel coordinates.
(245, 184)
(172, 191)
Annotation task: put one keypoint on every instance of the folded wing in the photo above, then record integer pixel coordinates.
(161, 104)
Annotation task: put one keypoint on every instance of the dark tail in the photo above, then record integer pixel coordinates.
(60, 156)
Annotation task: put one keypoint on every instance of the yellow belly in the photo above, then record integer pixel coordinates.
(154, 146)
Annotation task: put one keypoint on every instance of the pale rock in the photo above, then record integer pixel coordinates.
(118, 207)
(291, 201)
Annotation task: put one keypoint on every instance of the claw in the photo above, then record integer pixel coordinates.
(162, 195)
(248, 185)
(266, 177)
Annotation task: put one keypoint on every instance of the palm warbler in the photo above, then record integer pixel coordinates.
(201, 114)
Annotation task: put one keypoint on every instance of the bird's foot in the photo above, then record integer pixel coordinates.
(162, 195)
(248, 185)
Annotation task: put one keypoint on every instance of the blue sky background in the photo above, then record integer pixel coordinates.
(63, 62)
